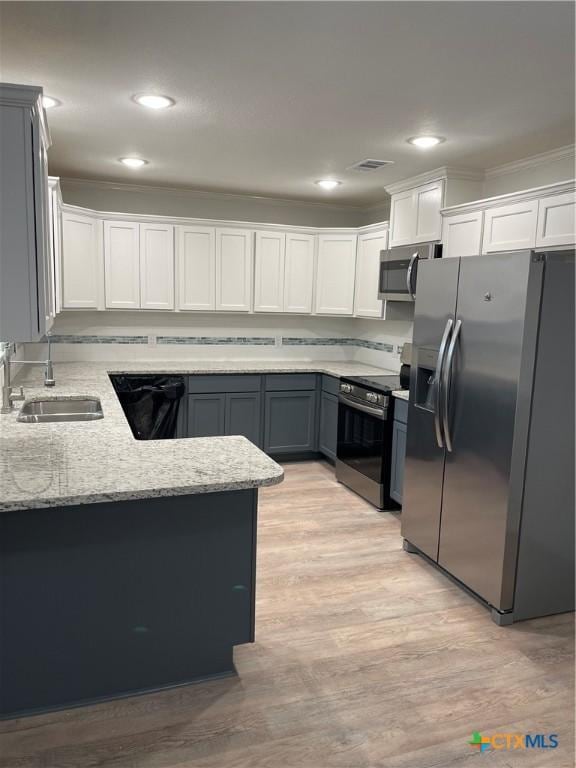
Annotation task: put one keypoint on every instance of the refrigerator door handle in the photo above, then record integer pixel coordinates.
(411, 291)
(438, 381)
(446, 384)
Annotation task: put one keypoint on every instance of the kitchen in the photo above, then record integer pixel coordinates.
(281, 418)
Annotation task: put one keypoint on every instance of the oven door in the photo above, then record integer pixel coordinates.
(361, 436)
(398, 276)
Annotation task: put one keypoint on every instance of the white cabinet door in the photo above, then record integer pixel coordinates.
(462, 234)
(366, 301)
(82, 262)
(510, 227)
(402, 218)
(556, 220)
(427, 204)
(299, 273)
(234, 254)
(335, 274)
(196, 280)
(122, 265)
(269, 271)
(156, 266)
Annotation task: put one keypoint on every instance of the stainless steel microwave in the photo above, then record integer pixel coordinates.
(399, 269)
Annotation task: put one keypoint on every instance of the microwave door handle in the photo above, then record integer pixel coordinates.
(411, 291)
(447, 383)
(438, 381)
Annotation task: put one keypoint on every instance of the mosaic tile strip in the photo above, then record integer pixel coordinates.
(73, 339)
(293, 341)
(261, 341)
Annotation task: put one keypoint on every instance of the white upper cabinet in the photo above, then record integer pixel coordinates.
(462, 234)
(299, 273)
(510, 227)
(234, 254)
(335, 274)
(402, 218)
(82, 262)
(366, 301)
(427, 205)
(269, 260)
(556, 220)
(156, 266)
(196, 248)
(415, 214)
(122, 265)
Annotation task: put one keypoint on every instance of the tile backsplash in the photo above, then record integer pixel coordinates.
(163, 336)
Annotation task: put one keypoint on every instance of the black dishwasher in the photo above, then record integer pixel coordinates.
(151, 403)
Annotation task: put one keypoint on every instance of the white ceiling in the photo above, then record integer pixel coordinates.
(271, 96)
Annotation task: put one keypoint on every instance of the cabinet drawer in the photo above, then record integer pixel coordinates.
(330, 384)
(286, 382)
(223, 383)
(400, 410)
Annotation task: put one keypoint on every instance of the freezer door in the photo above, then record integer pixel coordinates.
(424, 468)
(482, 377)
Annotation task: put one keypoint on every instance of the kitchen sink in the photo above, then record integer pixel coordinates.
(61, 409)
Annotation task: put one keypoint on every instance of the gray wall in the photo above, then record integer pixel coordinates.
(124, 198)
(547, 172)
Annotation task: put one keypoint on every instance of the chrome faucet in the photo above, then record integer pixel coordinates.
(9, 397)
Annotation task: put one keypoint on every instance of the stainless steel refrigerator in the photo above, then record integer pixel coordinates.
(489, 475)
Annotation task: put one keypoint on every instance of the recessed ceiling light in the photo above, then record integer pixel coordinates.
(328, 184)
(49, 101)
(133, 162)
(425, 142)
(153, 100)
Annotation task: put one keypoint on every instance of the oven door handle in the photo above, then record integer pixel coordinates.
(379, 413)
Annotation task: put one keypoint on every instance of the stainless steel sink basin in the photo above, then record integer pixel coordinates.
(61, 409)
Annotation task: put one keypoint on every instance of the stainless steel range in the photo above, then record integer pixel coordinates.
(365, 415)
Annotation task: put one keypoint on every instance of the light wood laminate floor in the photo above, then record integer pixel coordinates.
(365, 656)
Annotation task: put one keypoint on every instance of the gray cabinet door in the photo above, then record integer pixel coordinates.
(243, 416)
(328, 433)
(23, 202)
(290, 422)
(206, 415)
(398, 457)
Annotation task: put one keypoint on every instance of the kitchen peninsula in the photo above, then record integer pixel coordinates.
(126, 565)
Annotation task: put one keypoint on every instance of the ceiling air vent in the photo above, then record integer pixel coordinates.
(369, 165)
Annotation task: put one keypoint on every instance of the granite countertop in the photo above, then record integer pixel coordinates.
(401, 394)
(67, 463)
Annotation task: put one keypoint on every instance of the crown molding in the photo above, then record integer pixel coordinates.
(377, 226)
(534, 193)
(560, 153)
(216, 223)
(203, 193)
(445, 172)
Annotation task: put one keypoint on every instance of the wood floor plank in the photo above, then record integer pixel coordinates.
(365, 657)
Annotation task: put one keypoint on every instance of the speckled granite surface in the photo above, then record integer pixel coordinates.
(401, 394)
(47, 465)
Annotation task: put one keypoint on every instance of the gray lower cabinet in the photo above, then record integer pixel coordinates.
(220, 413)
(285, 424)
(206, 415)
(290, 422)
(243, 416)
(328, 430)
(398, 458)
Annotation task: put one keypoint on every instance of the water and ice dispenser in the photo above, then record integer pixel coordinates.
(426, 359)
